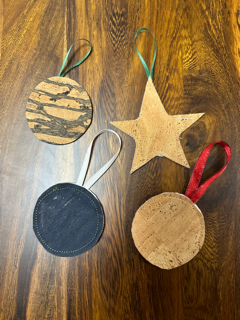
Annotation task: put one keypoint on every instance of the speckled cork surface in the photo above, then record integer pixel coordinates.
(168, 230)
(59, 111)
(156, 132)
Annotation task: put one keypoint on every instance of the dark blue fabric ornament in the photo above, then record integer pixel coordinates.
(68, 219)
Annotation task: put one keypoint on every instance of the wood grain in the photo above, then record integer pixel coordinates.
(1, 23)
(168, 230)
(197, 70)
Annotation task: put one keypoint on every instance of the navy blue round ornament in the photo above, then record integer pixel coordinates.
(68, 219)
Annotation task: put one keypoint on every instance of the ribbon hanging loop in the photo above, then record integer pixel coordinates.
(61, 73)
(194, 192)
(149, 73)
(100, 172)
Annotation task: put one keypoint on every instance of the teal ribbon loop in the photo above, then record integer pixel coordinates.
(61, 73)
(149, 73)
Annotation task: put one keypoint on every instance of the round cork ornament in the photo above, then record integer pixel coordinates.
(59, 111)
(168, 230)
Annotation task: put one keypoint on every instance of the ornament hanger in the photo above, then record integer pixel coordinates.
(86, 162)
(61, 73)
(149, 73)
(194, 192)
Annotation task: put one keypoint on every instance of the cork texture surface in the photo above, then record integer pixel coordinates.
(59, 111)
(155, 131)
(168, 230)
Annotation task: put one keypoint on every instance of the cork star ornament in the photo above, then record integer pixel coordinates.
(156, 133)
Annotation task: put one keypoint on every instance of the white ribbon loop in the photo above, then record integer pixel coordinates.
(100, 172)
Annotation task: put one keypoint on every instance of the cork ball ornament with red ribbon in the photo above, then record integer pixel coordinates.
(169, 229)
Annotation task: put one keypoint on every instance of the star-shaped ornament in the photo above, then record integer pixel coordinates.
(155, 132)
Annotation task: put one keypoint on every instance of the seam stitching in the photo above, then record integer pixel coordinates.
(36, 225)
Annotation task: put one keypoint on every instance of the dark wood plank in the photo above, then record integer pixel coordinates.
(1, 23)
(197, 70)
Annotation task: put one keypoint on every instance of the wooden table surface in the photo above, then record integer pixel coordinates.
(197, 70)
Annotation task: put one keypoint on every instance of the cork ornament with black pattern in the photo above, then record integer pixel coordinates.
(59, 110)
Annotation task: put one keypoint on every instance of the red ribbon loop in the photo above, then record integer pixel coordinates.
(194, 192)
